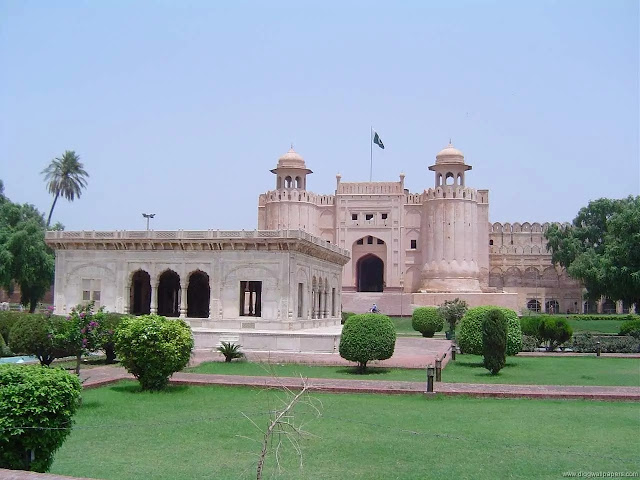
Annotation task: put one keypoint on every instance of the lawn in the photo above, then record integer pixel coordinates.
(201, 433)
(595, 326)
(466, 369)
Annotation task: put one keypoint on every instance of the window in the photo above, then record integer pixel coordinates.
(354, 216)
(414, 244)
(360, 242)
(369, 240)
(91, 291)
(368, 216)
(490, 242)
(384, 216)
(300, 299)
(333, 302)
(251, 299)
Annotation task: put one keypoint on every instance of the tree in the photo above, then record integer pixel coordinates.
(452, 311)
(494, 340)
(66, 176)
(601, 248)
(25, 258)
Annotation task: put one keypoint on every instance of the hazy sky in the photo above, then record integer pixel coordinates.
(182, 108)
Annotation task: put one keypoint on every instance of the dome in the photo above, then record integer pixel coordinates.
(449, 154)
(291, 159)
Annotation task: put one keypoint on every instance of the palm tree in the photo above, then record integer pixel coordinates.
(65, 176)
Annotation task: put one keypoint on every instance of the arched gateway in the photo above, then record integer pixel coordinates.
(370, 274)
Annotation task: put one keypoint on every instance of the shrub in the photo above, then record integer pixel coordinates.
(452, 311)
(587, 343)
(470, 333)
(631, 327)
(529, 343)
(427, 321)
(35, 334)
(494, 340)
(555, 331)
(530, 326)
(7, 321)
(80, 332)
(365, 337)
(32, 396)
(230, 351)
(108, 326)
(152, 348)
(345, 316)
(4, 350)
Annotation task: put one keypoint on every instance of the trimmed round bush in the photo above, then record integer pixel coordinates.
(494, 340)
(530, 326)
(366, 337)
(35, 396)
(427, 320)
(152, 348)
(631, 327)
(345, 316)
(555, 331)
(470, 335)
(7, 320)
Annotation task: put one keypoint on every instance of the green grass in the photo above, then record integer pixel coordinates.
(547, 371)
(200, 433)
(595, 326)
(466, 369)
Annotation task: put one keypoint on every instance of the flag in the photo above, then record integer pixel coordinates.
(377, 140)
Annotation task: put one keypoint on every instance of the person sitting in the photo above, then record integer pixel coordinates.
(374, 309)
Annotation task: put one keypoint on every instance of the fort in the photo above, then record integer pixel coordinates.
(313, 256)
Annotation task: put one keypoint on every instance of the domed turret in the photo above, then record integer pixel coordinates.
(449, 166)
(291, 171)
(449, 154)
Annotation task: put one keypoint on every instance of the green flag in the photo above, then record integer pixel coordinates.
(377, 140)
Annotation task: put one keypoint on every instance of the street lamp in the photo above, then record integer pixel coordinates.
(148, 216)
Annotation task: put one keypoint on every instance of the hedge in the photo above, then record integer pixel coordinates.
(587, 343)
(631, 327)
(36, 409)
(470, 335)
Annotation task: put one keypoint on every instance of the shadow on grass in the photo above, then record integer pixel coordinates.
(135, 388)
(90, 405)
(480, 365)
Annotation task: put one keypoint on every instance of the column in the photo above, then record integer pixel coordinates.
(154, 298)
(183, 303)
(127, 299)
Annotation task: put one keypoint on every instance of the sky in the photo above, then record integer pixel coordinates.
(182, 108)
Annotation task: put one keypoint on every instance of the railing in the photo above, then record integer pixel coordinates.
(182, 235)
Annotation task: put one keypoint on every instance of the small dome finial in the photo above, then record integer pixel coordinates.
(291, 145)
(450, 141)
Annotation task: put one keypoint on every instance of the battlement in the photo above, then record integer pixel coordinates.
(370, 188)
(525, 227)
(294, 195)
(450, 191)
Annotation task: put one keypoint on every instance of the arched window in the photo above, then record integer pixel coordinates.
(288, 182)
(533, 305)
(169, 294)
(298, 182)
(449, 179)
(609, 306)
(198, 295)
(552, 306)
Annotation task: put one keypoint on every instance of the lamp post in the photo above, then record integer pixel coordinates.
(148, 216)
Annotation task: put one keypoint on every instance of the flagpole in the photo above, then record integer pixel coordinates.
(371, 152)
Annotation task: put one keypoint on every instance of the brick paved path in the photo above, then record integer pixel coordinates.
(99, 376)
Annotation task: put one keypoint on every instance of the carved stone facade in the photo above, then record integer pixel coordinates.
(430, 244)
(267, 280)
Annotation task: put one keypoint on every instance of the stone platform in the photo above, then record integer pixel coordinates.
(309, 340)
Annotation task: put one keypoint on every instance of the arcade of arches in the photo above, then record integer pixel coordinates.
(171, 300)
